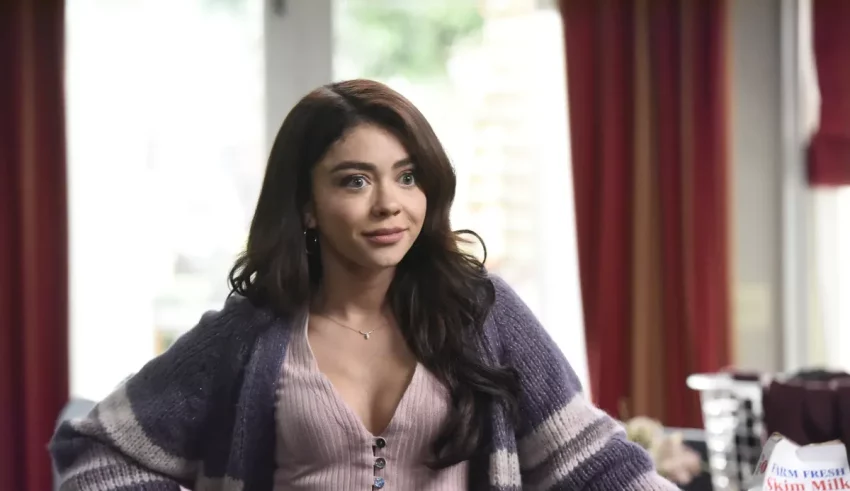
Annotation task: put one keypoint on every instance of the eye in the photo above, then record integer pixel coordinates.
(355, 181)
(408, 179)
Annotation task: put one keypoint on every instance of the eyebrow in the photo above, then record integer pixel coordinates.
(366, 166)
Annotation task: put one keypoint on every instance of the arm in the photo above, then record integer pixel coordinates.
(563, 441)
(147, 434)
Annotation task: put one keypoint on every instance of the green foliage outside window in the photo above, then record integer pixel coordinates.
(386, 38)
(411, 39)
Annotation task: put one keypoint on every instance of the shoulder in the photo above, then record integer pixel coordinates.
(510, 317)
(237, 311)
(510, 322)
(181, 397)
(508, 305)
(517, 336)
(216, 349)
(238, 322)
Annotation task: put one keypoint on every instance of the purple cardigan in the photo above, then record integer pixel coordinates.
(201, 415)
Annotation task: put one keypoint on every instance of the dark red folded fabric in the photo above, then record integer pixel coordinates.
(810, 407)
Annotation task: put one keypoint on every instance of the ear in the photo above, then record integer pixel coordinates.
(309, 216)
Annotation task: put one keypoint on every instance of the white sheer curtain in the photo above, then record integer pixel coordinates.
(832, 272)
(166, 105)
(829, 333)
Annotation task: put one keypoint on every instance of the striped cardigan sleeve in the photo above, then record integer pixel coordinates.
(146, 434)
(563, 441)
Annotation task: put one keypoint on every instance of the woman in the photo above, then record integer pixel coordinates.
(361, 349)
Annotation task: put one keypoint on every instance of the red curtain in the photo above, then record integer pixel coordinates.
(648, 90)
(829, 152)
(33, 239)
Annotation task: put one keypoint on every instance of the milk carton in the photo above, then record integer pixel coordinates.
(786, 466)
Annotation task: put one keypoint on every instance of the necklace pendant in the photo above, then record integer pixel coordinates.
(366, 335)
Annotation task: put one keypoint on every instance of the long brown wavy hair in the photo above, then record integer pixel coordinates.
(439, 295)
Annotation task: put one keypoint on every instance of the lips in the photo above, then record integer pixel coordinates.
(384, 236)
(383, 231)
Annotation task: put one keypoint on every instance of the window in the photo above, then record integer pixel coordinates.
(170, 108)
(831, 213)
(829, 261)
(166, 147)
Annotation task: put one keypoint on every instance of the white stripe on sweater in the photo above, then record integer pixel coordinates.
(504, 469)
(556, 431)
(100, 468)
(116, 416)
(585, 452)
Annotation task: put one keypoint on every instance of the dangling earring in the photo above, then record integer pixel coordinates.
(311, 241)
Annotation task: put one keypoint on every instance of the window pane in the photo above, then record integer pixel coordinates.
(830, 337)
(490, 77)
(166, 153)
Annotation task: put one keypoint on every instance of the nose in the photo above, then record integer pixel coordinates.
(386, 203)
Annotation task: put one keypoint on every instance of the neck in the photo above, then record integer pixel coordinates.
(351, 293)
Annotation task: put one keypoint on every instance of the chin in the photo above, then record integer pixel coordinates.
(384, 262)
(383, 258)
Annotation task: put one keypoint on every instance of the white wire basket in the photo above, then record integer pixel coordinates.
(733, 415)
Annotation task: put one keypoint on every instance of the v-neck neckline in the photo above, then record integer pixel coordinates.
(346, 408)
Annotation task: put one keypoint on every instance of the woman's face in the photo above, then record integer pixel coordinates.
(367, 207)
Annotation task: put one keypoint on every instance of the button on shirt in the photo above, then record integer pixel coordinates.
(322, 443)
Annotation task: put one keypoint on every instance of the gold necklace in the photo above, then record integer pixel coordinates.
(364, 334)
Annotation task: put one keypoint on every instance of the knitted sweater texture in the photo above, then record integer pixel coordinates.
(201, 415)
